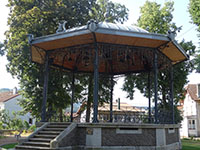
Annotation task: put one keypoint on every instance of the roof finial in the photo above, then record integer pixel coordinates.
(92, 25)
(61, 27)
(172, 33)
(30, 38)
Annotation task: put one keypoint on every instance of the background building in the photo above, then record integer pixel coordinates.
(122, 112)
(9, 103)
(190, 108)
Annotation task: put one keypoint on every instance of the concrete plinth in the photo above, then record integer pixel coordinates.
(109, 136)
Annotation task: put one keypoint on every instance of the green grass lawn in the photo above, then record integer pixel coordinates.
(190, 144)
(186, 144)
(9, 145)
(1, 136)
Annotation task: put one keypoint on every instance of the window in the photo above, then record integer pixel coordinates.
(191, 124)
(30, 121)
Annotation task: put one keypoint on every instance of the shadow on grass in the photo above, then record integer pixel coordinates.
(190, 144)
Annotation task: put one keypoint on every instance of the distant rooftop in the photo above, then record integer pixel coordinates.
(6, 96)
(192, 90)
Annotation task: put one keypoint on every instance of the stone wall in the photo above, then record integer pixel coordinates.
(74, 138)
(110, 137)
(122, 137)
(172, 135)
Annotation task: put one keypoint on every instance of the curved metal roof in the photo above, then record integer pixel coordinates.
(121, 27)
(99, 26)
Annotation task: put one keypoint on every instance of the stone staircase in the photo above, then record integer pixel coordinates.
(41, 139)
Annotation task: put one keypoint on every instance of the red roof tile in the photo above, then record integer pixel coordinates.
(192, 90)
(5, 96)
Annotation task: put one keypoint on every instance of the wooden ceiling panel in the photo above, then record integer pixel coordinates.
(173, 53)
(37, 55)
(66, 42)
(131, 41)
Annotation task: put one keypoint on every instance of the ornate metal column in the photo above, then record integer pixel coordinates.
(96, 81)
(92, 26)
(156, 84)
(45, 87)
(149, 95)
(172, 93)
(111, 98)
(72, 98)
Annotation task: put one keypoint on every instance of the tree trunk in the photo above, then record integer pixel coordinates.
(61, 114)
(89, 100)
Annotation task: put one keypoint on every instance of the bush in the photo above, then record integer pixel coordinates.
(32, 128)
(13, 123)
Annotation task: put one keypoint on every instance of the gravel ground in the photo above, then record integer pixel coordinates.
(8, 140)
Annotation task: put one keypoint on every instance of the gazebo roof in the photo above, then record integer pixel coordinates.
(135, 45)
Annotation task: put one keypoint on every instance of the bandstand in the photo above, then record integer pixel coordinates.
(111, 49)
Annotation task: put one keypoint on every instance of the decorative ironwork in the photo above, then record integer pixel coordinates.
(128, 59)
(61, 27)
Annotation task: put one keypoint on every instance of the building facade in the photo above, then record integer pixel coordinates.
(190, 107)
(9, 102)
(122, 112)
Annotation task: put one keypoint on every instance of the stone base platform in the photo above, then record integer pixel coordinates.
(115, 136)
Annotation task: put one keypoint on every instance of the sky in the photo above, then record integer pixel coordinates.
(181, 18)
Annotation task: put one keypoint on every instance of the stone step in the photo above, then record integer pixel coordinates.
(50, 132)
(60, 123)
(26, 147)
(57, 126)
(40, 140)
(40, 144)
(44, 136)
(54, 129)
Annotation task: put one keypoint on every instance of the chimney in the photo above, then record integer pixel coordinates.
(118, 103)
(14, 90)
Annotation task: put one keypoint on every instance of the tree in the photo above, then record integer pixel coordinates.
(41, 18)
(109, 11)
(1, 49)
(156, 19)
(160, 21)
(194, 7)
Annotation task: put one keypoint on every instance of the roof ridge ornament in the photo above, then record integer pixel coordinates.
(30, 38)
(92, 25)
(172, 34)
(61, 27)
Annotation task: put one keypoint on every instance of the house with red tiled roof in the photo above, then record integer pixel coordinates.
(190, 108)
(122, 112)
(9, 103)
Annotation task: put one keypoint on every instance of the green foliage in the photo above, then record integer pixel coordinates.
(156, 19)
(8, 146)
(109, 11)
(1, 49)
(13, 122)
(4, 118)
(32, 128)
(1, 125)
(26, 125)
(194, 7)
(159, 20)
(42, 18)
